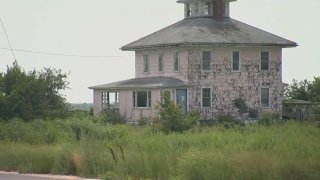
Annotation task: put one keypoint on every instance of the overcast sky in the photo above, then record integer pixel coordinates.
(101, 27)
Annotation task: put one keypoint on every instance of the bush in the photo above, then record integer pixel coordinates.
(228, 121)
(111, 116)
(171, 117)
(268, 118)
(143, 120)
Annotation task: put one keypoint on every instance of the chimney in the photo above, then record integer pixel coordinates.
(219, 10)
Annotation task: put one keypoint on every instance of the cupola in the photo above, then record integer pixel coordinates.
(218, 9)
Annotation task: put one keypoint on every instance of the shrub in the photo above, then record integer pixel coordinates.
(171, 117)
(111, 116)
(228, 121)
(143, 120)
(268, 118)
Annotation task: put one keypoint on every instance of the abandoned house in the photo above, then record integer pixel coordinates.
(205, 62)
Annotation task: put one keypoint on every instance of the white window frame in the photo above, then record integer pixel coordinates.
(236, 70)
(146, 63)
(202, 97)
(262, 51)
(135, 99)
(163, 91)
(174, 61)
(207, 9)
(210, 60)
(269, 98)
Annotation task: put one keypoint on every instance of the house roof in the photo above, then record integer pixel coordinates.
(206, 31)
(143, 83)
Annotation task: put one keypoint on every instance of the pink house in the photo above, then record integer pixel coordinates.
(205, 62)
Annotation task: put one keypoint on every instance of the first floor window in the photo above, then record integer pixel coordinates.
(145, 63)
(110, 99)
(236, 61)
(142, 99)
(264, 60)
(176, 61)
(206, 97)
(265, 97)
(206, 60)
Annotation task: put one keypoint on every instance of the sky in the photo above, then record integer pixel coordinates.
(101, 27)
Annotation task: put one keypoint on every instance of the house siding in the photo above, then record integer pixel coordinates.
(226, 84)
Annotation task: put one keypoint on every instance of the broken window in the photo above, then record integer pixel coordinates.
(206, 97)
(110, 99)
(188, 10)
(145, 63)
(265, 97)
(206, 60)
(208, 9)
(235, 60)
(264, 60)
(142, 99)
(176, 61)
(160, 63)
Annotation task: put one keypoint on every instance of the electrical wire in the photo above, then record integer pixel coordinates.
(5, 32)
(60, 54)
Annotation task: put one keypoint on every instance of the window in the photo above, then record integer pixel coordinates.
(265, 98)
(110, 99)
(165, 93)
(207, 9)
(160, 63)
(206, 97)
(142, 99)
(176, 61)
(188, 10)
(145, 63)
(206, 60)
(236, 61)
(264, 60)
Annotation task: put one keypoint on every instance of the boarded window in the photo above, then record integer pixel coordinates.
(160, 63)
(206, 97)
(145, 63)
(264, 60)
(176, 61)
(142, 99)
(265, 98)
(206, 60)
(236, 61)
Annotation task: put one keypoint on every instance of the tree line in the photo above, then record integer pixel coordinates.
(33, 94)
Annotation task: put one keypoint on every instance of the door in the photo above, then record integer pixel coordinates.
(181, 99)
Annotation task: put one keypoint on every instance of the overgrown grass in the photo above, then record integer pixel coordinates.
(81, 147)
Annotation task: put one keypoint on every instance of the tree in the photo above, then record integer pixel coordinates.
(32, 94)
(304, 90)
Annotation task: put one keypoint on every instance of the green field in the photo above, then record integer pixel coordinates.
(79, 146)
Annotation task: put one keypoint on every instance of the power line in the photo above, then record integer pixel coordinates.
(60, 54)
(5, 32)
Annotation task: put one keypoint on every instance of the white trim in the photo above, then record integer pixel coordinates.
(210, 97)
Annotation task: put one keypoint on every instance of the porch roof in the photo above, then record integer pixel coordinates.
(143, 83)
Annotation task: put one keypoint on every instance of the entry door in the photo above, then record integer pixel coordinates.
(181, 99)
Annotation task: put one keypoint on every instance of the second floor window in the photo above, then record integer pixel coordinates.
(176, 62)
(160, 63)
(235, 60)
(206, 60)
(264, 60)
(145, 63)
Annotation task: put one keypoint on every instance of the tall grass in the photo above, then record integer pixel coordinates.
(80, 147)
